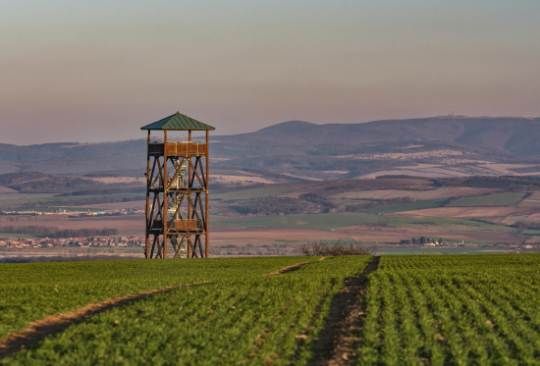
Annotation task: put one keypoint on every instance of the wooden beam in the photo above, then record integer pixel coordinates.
(190, 181)
(207, 228)
(165, 194)
(147, 239)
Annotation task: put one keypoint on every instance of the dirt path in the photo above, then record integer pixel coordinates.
(335, 344)
(52, 324)
(57, 323)
(290, 268)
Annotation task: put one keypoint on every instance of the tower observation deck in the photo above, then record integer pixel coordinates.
(177, 174)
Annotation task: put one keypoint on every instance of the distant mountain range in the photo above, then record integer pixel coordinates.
(309, 151)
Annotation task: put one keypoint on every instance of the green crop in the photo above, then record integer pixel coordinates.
(241, 318)
(34, 290)
(458, 310)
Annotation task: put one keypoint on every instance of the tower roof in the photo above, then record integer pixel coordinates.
(178, 121)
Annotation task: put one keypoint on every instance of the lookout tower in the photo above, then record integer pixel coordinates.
(177, 174)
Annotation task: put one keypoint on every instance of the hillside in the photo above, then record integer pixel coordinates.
(445, 146)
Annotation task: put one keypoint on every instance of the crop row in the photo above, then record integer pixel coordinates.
(457, 310)
(33, 291)
(246, 320)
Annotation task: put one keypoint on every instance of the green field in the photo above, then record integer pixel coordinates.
(252, 193)
(447, 223)
(11, 235)
(304, 221)
(452, 310)
(438, 250)
(413, 310)
(497, 199)
(409, 206)
(50, 200)
(241, 317)
(339, 220)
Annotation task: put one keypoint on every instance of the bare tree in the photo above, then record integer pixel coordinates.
(322, 248)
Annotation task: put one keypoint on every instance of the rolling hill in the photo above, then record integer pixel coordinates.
(438, 146)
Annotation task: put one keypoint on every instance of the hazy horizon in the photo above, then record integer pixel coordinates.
(98, 71)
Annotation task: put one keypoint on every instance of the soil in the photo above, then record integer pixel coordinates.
(290, 268)
(52, 324)
(335, 346)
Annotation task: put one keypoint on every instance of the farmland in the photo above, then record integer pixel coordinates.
(409, 206)
(412, 309)
(273, 318)
(458, 310)
(496, 199)
(250, 219)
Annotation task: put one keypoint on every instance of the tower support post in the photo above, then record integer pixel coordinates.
(206, 221)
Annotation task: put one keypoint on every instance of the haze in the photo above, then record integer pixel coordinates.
(98, 70)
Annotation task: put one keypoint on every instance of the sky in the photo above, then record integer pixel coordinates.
(91, 71)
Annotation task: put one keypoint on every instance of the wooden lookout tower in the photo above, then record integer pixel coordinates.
(177, 174)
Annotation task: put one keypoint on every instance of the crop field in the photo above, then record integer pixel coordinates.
(232, 313)
(305, 221)
(252, 193)
(411, 310)
(409, 206)
(341, 220)
(452, 310)
(428, 194)
(497, 199)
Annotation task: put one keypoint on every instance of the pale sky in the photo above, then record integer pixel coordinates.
(99, 70)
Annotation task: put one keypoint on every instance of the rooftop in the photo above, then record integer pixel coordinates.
(178, 121)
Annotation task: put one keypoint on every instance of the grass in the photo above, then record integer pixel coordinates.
(252, 193)
(507, 199)
(410, 206)
(531, 232)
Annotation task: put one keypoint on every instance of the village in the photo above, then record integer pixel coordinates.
(84, 242)
(74, 215)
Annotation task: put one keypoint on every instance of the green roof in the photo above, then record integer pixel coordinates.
(178, 121)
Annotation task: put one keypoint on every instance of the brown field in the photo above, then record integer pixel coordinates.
(129, 225)
(445, 192)
(427, 173)
(221, 178)
(336, 171)
(409, 156)
(111, 180)
(6, 190)
(231, 235)
(526, 217)
(504, 169)
(371, 234)
(453, 168)
(456, 212)
(138, 205)
(403, 184)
